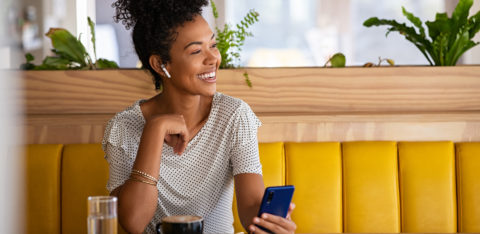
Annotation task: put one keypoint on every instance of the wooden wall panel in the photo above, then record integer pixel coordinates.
(89, 129)
(83, 92)
(425, 127)
(279, 90)
(294, 104)
(347, 90)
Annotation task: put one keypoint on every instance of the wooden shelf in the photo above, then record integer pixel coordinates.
(294, 104)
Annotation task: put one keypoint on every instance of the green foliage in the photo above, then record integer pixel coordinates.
(337, 60)
(105, 64)
(247, 79)
(380, 60)
(67, 47)
(28, 65)
(69, 53)
(448, 38)
(92, 31)
(231, 39)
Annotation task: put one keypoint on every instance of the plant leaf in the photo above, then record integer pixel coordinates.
(67, 45)
(469, 45)
(391, 62)
(440, 25)
(247, 79)
(29, 57)
(338, 60)
(214, 9)
(410, 34)
(460, 14)
(415, 20)
(440, 48)
(56, 63)
(372, 21)
(28, 65)
(458, 20)
(457, 48)
(105, 63)
(474, 21)
(92, 31)
(231, 39)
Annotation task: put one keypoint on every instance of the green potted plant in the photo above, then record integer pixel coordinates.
(231, 39)
(448, 37)
(69, 53)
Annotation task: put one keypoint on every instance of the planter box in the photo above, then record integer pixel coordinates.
(294, 104)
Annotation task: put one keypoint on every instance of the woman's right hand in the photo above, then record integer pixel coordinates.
(174, 129)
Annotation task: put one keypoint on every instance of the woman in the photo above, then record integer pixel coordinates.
(181, 151)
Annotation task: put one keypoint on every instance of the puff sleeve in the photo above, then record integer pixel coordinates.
(120, 144)
(244, 152)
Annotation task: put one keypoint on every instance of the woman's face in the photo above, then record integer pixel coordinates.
(194, 59)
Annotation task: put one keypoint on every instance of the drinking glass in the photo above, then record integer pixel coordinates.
(102, 215)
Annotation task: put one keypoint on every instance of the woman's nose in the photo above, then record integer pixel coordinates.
(211, 58)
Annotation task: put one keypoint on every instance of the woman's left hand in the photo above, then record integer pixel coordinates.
(276, 224)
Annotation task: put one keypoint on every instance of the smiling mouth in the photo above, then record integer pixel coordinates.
(209, 76)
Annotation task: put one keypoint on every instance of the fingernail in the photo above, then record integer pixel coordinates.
(264, 216)
(256, 220)
(252, 228)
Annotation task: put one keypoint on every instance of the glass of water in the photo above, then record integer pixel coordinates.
(102, 215)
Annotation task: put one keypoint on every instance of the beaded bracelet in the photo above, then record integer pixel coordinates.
(143, 181)
(145, 175)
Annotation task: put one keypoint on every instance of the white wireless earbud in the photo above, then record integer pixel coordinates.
(165, 71)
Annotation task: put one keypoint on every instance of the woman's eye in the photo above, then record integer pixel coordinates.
(214, 45)
(196, 52)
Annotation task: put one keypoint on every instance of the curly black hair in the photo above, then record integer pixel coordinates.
(154, 23)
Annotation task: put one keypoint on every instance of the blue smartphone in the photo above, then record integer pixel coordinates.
(276, 200)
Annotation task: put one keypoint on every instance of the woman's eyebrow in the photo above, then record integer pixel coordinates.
(197, 42)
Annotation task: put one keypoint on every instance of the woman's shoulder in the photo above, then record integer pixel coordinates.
(131, 114)
(229, 104)
(237, 111)
(127, 124)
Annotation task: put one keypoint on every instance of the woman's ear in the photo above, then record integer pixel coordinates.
(157, 65)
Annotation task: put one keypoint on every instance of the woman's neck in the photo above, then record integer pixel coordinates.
(194, 108)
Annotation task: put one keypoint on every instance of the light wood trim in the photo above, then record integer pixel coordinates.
(424, 127)
(294, 104)
(67, 129)
(83, 92)
(347, 90)
(280, 90)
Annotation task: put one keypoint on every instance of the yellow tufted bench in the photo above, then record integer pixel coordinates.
(387, 187)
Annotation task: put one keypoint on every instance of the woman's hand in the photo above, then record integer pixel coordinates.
(175, 130)
(276, 224)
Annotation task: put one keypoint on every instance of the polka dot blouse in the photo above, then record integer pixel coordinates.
(200, 181)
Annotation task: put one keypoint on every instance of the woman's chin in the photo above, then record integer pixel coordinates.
(211, 92)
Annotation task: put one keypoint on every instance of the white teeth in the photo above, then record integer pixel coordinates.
(206, 75)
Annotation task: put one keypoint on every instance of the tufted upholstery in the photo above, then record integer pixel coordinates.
(80, 179)
(370, 187)
(316, 171)
(468, 186)
(387, 187)
(427, 186)
(42, 172)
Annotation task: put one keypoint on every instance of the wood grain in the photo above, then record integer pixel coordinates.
(279, 90)
(317, 90)
(294, 104)
(83, 92)
(459, 127)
